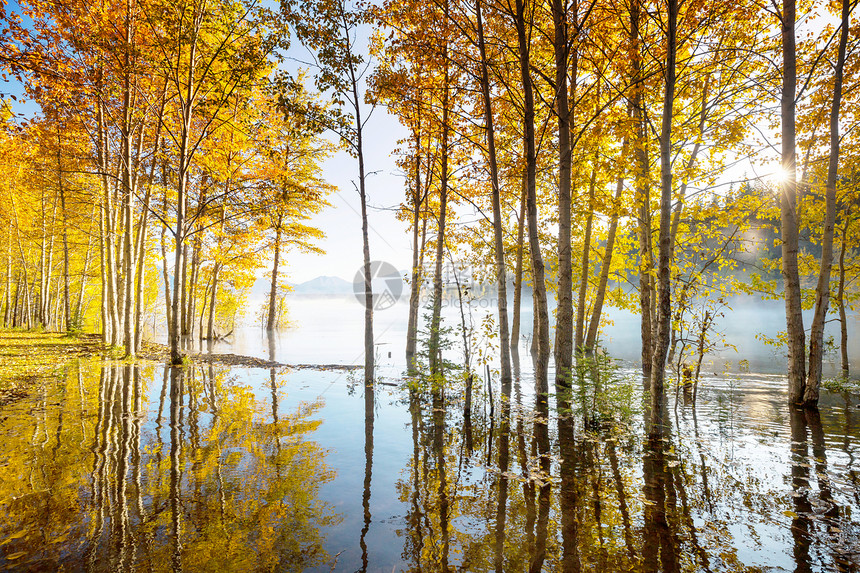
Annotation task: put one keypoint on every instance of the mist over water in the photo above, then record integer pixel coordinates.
(329, 329)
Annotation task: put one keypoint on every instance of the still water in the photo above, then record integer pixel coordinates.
(210, 468)
(216, 469)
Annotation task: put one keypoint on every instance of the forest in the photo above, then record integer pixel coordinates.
(661, 158)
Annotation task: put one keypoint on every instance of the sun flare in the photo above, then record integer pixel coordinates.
(780, 175)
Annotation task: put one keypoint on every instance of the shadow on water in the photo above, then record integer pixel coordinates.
(121, 467)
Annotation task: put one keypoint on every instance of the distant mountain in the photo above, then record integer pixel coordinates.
(324, 285)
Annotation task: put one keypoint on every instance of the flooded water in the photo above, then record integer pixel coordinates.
(211, 468)
(215, 469)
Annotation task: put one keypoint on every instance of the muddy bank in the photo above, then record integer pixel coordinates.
(161, 353)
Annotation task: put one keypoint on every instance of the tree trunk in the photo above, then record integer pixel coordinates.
(541, 357)
(822, 290)
(664, 263)
(25, 312)
(140, 238)
(435, 322)
(29, 309)
(140, 256)
(66, 298)
(788, 212)
(840, 301)
(43, 288)
(518, 277)
(108, 271)
(167, 304)
(183, 293)
(14, 313)
(110, 274)
(201, 332)
(643, 196)
(369, 357)
(210, 328)
(49, 269)
(599, 296)
(564, 344)
(415, 291)
(498, 244)
(105, 313)
(585, 272)
(7, 296)
(706, 323)
(79, 303)
(273, 290)
(129, 322)
(187, 110)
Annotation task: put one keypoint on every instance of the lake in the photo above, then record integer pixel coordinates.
(211, 468)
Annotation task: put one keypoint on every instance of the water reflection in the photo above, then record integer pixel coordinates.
(217, 482)
(124, 467)
(369, 414)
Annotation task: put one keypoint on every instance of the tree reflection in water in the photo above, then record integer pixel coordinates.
(237, 490)
(657, 492)
(123, 467)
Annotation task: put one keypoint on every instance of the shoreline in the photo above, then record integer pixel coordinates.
(28, 357)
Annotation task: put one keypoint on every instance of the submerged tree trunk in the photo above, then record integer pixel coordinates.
(434, 348)
(369, 418)
(140, 237)
(664, 263)
(788, 212)
(518, 278)
(369, 357)
(840, 301)
(498, 244)
(415, 290)
(643, 196)
(541, 357)
(184, 150)
(564, 344)
(822, 290)
(584, 274)
(600, 295)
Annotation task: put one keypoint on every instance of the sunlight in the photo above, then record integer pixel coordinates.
(780, 175)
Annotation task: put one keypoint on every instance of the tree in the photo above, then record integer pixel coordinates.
(328, 28)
